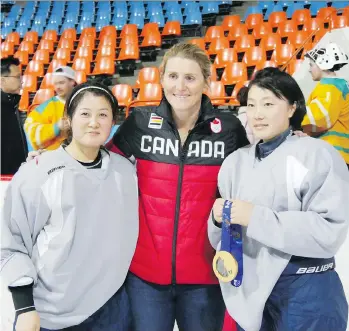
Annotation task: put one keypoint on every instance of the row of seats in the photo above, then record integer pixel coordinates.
(268, 7)
(62, 17)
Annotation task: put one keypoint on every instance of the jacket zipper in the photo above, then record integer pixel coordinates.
(182, 156)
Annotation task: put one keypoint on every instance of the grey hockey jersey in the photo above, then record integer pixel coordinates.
(301, 198)
(71, 229)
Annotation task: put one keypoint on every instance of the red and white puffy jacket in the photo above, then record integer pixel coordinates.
(177, 188)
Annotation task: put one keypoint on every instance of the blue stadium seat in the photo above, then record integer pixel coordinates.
(71, 18)
(39, 20)
(154, 10)
(23, 22)
(265, 4)
(8, 21)
(44, 6)
(87, 17)
(67, 25)
(52, 26)
(175, 17)
(293, 7)
(120, 6)
(119, 22)
(22, 30)
(137, 11)
(225, 2)
(55, 19)
(28, 13)
(191, 7)
(101, 23)
(270, 10)
(88, 6)
(193, 18)
(169, 4)
(5, 32)
(316, 5)
(252, 10)
(158, 19)
(2, 16)
(39, 29)
(138, 20)
(340, 4)
(105, 5)
(82, 25)
(173, 9)
(73, 6)
(103, 15)
(209, 7)
(120, 12)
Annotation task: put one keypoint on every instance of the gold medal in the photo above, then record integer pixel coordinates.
(225, 266)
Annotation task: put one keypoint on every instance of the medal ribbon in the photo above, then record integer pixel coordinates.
(232, 240)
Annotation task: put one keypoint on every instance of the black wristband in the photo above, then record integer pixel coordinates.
(22, 297)
(218, 225)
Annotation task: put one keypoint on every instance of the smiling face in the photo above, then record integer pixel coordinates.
(92, 121)
(183, 84)
(267, 115)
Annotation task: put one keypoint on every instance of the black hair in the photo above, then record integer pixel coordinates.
(242, 96)
(6, 63)
(80, 91)
(284, 87)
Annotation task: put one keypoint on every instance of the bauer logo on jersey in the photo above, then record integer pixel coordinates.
(155, 121)
(216, 125)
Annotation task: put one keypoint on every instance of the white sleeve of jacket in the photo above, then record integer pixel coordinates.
(22, 213)
(321, 227)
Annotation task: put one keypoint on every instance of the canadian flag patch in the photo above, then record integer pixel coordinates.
(216, 125)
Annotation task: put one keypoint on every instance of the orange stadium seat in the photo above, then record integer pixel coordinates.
(298, 38)
(30, 83)
(80, 76)
(111, 41)
(22, 56)
(87, 41)
(84, 51)
(83, 64)
(128, 39)
(213, 73)
(283, 53)
(62, 54)
(24, 101)
(285, 28)
(68, 34)
(237, 87)
(66, 43)
(47, 44)
(300, 16)
(104, 66)
(109, 30)
(233, 73)
(319, 34)
(243, 43)
(199, 42)
(339, 22)
(31, 36)
(263, 30)
(266, 64)
(218, 44)
(270, 42)
(50, 35)
(254, 55)
(55, 63)
(230, 21)
(35, 68)
(172, 29)
(3, 54)
(14, 38)
(149, 28)
(8, 47)
(106, 51)
(237, 31)
(129, 29)
(42, 55)
(253, 21)
(276, 18)
(91, 31)
(47, 82)
(225, 56)
(123, 93)
(326, 14)
(313, 25)
(129, 52)
(214, 32)
(293, 66)
(42, 95)
(150, 93)
(152, 39)
(148, 75)
(216, 90)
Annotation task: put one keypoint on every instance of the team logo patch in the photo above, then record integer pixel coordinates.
(155, 121)
(216, 125)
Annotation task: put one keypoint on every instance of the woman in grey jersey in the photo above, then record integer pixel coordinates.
(69, 226)
(290, 195)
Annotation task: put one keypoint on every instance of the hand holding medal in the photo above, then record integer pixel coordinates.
(227, 264)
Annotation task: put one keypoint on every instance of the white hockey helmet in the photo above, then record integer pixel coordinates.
(329, 57)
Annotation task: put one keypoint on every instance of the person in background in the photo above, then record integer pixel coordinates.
(242, 116)
(290, 195)
(46, 125)
(13, 141)
(69, 226)
(328, 105)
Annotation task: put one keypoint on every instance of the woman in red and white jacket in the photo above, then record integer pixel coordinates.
(179, 147)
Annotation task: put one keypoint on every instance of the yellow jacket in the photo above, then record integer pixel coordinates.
(41, 125)
(328, 114)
